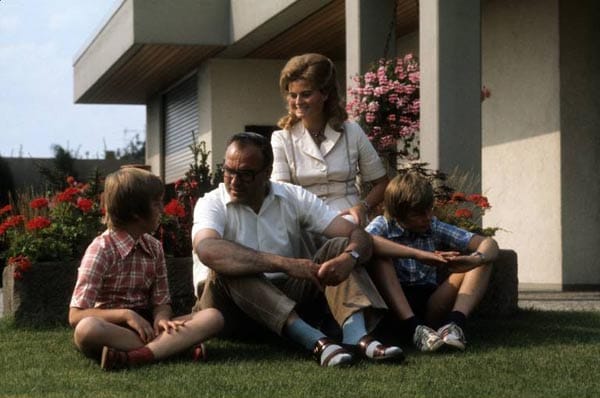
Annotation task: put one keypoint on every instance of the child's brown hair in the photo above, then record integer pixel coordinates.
(128, 196)
(407, 192)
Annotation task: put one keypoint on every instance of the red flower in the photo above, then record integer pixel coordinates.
(21, 263)
(483, 203)
(175, 209)
(458, 197)
(38, 203)
(37, 223)
(71, 180)
(67, 195)
(5, 209)
(11, 222)
(85, 205)
(463, 213)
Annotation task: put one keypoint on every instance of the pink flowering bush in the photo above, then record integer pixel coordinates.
(385, 102)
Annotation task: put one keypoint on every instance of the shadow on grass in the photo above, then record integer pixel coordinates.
(535, 328)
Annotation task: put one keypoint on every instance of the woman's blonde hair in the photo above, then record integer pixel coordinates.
(128, 196)
(319, 71)
(407, 192)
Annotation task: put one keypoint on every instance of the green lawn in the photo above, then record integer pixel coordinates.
(534, 354)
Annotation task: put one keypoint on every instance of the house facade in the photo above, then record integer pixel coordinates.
(211, 67)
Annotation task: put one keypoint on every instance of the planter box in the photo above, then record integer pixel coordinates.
(502, 296)
(42, 297)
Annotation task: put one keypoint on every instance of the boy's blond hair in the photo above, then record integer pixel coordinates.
(407, 192)
(128, 196)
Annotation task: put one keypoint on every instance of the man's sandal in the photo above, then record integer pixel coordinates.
(329, 353)
(370, 348)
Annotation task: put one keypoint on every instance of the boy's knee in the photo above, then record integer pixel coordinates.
(87, 329)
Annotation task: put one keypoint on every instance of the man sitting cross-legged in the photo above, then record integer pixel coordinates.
(247, 231)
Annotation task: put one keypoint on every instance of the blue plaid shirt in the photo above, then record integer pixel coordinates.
(440, 236)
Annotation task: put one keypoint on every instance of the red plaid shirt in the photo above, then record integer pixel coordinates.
(119, 272)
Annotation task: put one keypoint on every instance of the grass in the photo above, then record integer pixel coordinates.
(534, 354)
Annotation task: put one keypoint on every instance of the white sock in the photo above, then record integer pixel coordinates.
(391, 350)
(341, 357)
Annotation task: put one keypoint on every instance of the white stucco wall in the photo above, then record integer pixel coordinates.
(521, 134)
(243, 92)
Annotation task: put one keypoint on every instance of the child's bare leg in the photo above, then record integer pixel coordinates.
(92, 333)
(472, 289)
(442, 300)
(198, 327)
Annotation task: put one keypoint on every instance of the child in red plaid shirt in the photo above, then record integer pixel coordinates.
(120, 307)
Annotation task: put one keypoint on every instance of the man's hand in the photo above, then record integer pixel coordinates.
(358, 212)
(335, 271)
(302, 268)
(141, 326)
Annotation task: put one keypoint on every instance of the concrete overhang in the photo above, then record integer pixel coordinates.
(145, 46)
(148, 45)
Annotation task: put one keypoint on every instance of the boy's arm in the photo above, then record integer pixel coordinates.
(483, 250)
(112, 315)
(386, 248)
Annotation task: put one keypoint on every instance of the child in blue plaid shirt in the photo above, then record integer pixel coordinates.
(417, 300)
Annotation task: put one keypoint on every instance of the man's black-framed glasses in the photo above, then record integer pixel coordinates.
(246, 176)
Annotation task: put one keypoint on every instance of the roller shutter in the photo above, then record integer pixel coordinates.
(181, 118)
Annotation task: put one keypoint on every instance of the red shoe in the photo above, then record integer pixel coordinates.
(113, 359)
(199, 353)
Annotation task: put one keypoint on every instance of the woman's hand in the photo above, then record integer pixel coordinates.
(359, 213)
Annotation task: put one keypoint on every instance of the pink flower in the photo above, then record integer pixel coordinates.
(373, 106)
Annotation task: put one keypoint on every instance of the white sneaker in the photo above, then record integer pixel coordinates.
(453, 335)
(426, 339)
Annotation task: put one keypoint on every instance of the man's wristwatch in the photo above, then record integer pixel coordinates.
(354, 254)
(481, 256)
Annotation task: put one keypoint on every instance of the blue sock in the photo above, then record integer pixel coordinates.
(304, 334)
(354, 328)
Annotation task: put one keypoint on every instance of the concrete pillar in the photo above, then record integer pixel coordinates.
(450, 62)
(367, 28)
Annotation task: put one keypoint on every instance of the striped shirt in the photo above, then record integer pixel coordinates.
(440, 236)
(119, 272)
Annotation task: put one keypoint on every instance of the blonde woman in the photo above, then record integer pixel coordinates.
(318, 148)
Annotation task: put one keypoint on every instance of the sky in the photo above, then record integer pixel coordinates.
(39, 40)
